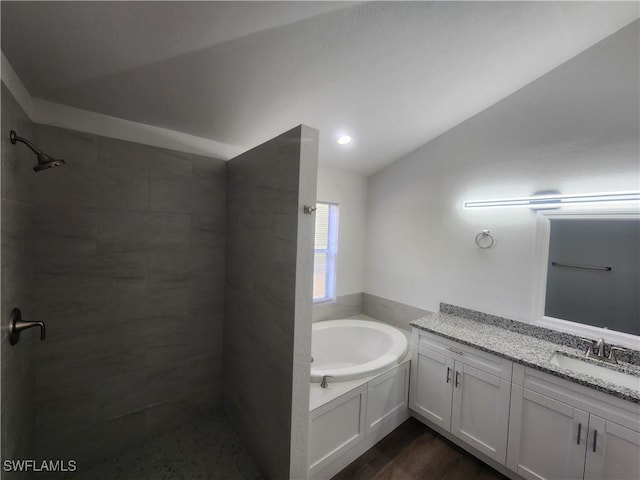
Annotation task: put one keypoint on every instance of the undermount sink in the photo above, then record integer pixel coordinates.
(607, 374)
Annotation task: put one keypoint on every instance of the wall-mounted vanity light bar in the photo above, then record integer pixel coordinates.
(556, 200)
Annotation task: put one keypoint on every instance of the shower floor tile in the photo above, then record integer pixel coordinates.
(207, 449)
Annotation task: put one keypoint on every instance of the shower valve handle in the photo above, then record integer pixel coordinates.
(17, 326)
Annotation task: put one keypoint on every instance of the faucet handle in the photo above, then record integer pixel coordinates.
(17, 325)
(612, 353)
(591, 343)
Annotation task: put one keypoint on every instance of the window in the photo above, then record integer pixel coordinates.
(326, 247)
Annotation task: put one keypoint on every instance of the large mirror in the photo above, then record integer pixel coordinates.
(589, 274)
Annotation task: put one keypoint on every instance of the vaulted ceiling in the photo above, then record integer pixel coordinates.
(392, 75)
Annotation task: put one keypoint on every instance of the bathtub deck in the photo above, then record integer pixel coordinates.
(321, 396)
(207, 449)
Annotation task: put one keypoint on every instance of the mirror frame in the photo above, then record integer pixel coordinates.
(541, 259)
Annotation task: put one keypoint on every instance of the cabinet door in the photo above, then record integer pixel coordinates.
(613, 451)
(387, 397)
(547, 438)
(480, 414)
(431, 386)
(336, 427)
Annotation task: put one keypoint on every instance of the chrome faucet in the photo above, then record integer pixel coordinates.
(324, 383)
(600, 346)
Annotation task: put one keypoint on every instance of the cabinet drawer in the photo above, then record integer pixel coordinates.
(606, 406)
(483, 361)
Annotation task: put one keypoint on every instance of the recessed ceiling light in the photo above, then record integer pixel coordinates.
(344, 139)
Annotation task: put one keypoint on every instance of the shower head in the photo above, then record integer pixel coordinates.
(44, 160)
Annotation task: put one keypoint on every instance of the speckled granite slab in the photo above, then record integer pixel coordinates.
(524, 349)
(561, 338)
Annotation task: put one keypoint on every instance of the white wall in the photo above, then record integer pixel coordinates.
(349, 191)
(574, 130)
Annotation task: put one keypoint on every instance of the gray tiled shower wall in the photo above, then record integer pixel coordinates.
(267, 336)
(127, 258)
(18, 375)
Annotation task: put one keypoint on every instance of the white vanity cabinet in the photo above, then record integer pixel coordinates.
(614, 453)
(559, 429)
(462, 390)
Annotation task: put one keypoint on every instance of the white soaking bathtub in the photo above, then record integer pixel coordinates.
(350, 349)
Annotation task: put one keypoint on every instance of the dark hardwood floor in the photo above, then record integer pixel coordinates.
(414, 451)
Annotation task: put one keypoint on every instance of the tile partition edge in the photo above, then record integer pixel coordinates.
(542, 333)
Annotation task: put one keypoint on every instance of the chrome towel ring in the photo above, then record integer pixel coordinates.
(484, 239)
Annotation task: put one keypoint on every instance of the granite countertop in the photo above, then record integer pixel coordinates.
(523, 349)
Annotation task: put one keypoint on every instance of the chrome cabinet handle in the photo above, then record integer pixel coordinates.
(595, 439)
(457, 378)
(448, 374)
(451, 349)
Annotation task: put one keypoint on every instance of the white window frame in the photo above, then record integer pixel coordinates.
(331, 254)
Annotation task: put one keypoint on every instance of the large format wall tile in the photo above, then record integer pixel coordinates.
(132, 231)
(16, 362)
(68, 231)
(180, 194)
(394, 313)
(129, 277)
(345, 306)
(16, 230)
(268, 299)
(121, 252)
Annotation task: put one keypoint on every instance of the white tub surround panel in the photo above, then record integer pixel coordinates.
(358, 415)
